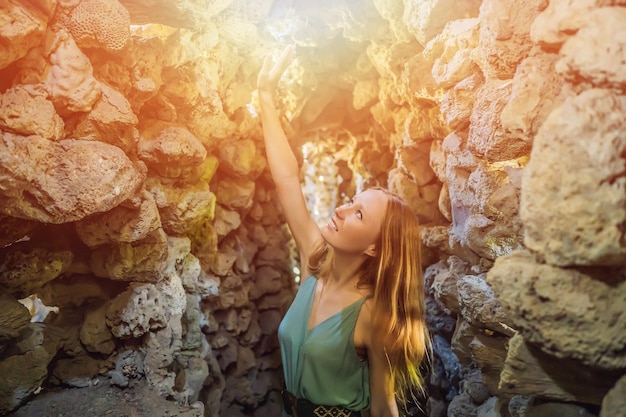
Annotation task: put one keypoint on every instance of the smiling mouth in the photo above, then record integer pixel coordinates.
(333, 225)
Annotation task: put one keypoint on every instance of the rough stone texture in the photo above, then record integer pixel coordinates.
(536, 90)
(178, 13)
(479, 305)
(458, 102)
(569, 313)
(94, 334)
(488, 352)
(614, 403)
(131, 221)
(424, 203)
(21, 28)
(556, 409)
(13, 229)
(378, 88)
(483, 200)
(560, 18)
(182, 209)
(98, 23)
(14, 318)
(26, 266)
(458, 39)
(25, 110)
(70, 78)
(59, 182)
(144, 260)
(426, 19)
(111, 120)
(505, 35)
(577, 169)
(598, 61)
(169, 149)
(529, 371)
(25, 367)
(487, 137)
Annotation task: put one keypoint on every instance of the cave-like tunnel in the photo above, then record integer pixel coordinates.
(145, 263)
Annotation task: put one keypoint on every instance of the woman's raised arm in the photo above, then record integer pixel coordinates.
(282, 161)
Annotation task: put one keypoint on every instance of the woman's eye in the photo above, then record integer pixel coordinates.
(359, 214)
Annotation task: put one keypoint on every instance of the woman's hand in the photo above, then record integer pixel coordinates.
(272, 71)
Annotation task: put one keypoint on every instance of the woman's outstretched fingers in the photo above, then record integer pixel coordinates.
(283, 61)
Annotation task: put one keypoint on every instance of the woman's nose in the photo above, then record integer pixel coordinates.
(340, 211)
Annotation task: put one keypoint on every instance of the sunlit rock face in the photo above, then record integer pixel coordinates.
(135, 197)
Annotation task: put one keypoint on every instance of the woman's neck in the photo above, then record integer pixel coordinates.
(345, 269)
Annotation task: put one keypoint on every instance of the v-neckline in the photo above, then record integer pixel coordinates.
(311, 328)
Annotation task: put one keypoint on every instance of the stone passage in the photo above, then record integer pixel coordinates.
(140, 240)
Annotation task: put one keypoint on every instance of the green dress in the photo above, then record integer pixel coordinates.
(321, 364)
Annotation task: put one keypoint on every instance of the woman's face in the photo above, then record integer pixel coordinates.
(356, 224)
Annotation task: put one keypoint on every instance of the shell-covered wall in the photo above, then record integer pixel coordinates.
(135, 201)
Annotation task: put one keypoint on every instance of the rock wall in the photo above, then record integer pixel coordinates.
(134, 196)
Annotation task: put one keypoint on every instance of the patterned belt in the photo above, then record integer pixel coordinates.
(300, 407)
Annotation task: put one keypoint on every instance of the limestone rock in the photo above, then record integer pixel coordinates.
(144, 260)
(479, 305)
(529, 371)
(182, 209)
(462, 406)
(146, 307)
(484, 200)
(236, 195)
(194, 373)
(487, 138)
(505, 35)
(111, 120)
(569, 313)
(596, 52)
(426, 19)
(98, 23)
(78, 290)
(536, 90)
(23, 375)
(614, 403)
(26, 266)
(424, 202)
(455, 64)
(21, 28)
(77, 371)
(14, 318)
(489, 353)
(178, 13)
(557, 409)
(585, 191)
(64, 181)
(458, 102)
(131, 221)
(474, 386)
(70, 79)
(13, 229)
(94, 333)
(170, 150)
(25, 110)
(460, 343)
(560, 19)
(25, 366)
(414, 161)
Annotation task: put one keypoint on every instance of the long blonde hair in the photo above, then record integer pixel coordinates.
(394, 278)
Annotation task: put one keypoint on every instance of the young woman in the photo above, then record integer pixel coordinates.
(355, 335)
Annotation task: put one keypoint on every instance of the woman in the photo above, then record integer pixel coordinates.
(353, 339)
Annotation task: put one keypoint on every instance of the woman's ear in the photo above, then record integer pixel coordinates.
(371, 250)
